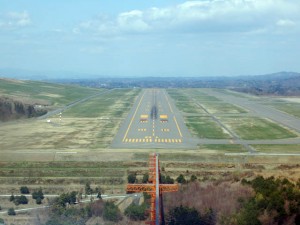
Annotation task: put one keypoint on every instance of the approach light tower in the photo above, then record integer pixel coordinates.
(155, 189)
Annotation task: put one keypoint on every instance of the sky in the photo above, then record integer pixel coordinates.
(135, 38)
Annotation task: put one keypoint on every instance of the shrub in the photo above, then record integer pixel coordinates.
(180, 179)
(193, 178)
(65, 198)
(11, 212)
(88, 189)
(12, 198)
(145, 178)
(111, 212)
(38, 201)
(24, 190)
(97, 208)
(21, 200)
(136, 212)
(183, 215)
(166, 180)
(38, 194)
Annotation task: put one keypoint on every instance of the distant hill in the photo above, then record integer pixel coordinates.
(282, 83)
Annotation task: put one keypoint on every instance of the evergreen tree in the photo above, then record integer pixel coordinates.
(131, 178)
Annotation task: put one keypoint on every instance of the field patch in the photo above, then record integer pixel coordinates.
(292, 108)
(222, 108)
(279, 149)
(254, 128)
(89, 125)
(55, 94)
(223, 148)
(205, 127)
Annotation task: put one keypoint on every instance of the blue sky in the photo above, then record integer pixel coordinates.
(151, 38)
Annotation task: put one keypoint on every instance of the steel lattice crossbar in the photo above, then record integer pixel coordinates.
(155, 189)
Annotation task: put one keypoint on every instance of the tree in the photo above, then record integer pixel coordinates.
(38, 194)
(131, 178)
(72, 197)
(98, 192)
(1, 221)
(38, 201)
(11, 212)
(111, 212)
(166, 179)
(249, 214)
(88, 189)
(136, 212)
(12, 198)
(169, 180)
(183, 216)
(24, 190)
(20, 200)
(180, 179)
(145, 178)
(193, 178)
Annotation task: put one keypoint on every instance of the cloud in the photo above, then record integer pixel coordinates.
(132, 21)
(12, 20)
(285, 23)
(199, 16)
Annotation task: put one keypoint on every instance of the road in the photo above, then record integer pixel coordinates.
(153, 122)
(135, 196)
(56, 111)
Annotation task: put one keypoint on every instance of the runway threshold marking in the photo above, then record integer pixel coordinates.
(133, 116)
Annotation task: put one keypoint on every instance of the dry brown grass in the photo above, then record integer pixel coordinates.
(222, 197)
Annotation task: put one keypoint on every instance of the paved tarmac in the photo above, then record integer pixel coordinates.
(153, 122)
(258, 109)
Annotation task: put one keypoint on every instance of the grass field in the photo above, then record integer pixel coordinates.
(183, 103)
(205, 127)
(251, 128)
(113, 104)
(48, 93)
(278, 148)
(222, 108)
(230, 148)
(292, 108)
(90, 125)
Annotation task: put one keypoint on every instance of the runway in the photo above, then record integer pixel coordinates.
(153, 122)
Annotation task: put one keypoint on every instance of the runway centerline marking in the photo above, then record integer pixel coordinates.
(133, 116)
